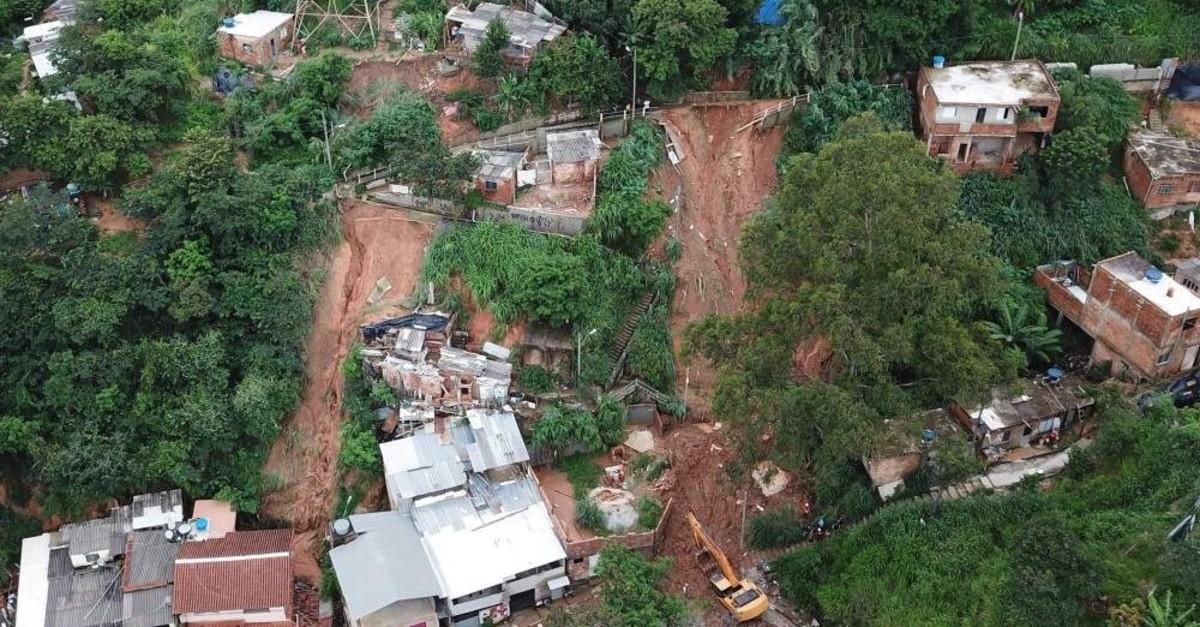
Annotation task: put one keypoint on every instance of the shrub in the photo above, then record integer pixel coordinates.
(360, 449)
(536, 380)
(583, 473)
(589, 516)
(776, 528)
(649, 511)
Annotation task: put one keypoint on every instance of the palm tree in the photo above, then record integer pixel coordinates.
(1161, 614)
(1034, 337)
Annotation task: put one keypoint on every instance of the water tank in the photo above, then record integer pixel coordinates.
(939, 61)
(228, 22)
(341, 527)
(1153, 275)
(184, 529)
(201, 525)
(927, 435)
(169, 534)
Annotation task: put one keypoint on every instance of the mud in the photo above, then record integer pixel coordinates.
(723, 179)
(303, 461)
(372, 81)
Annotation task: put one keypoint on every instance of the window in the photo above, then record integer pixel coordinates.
(947, 113)
(1189, 322)
(246, 48)
(1165, 189)
(1163, 358)
(489, 186)
(962, 152)
(1040, 112)
(1027, 430)
(980, 114)
(1006, 436)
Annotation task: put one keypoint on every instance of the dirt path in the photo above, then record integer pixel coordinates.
(722, 180)
(378, 242)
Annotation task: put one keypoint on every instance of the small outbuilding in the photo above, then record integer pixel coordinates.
(1163, 171)
(573, 155)
(255, 38)
(497, 175)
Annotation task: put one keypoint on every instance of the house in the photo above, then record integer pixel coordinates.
(469, 537)
(241, 577)
(1163, 171)
(1142, 321)
(573, 155)
(109, 571)
(255, 38)
(497, 178)
(983, 115)
(1187, 273)
(1022, 415)
(902, 447)
(40, 39)
(528, 33)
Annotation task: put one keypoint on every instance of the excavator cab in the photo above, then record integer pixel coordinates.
(744, 600)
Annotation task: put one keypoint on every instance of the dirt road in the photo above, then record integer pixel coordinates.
(722, 180)
(377, 242)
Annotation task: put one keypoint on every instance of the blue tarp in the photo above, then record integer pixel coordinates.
(1186, 84)
(768, 13)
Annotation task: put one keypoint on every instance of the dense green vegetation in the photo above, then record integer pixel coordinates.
(630, 592)
(1028, 558)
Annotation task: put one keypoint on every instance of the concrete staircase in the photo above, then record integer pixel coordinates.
(1154, 120)
(959, 490)
(621, 347)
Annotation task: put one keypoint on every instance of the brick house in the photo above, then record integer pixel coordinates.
(982, 116)
(497, 175)
(1142, 321)
(255, 38)
(1163, 171)
(573, 156)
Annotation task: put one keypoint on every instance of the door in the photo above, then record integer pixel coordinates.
(272, 46)
(980, 115)
(521, 601)
(962, 152)
(1189, 357)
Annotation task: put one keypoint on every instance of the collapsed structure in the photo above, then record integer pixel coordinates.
(527, 33)
(1031, 414)
(983, 115)
(145, 565)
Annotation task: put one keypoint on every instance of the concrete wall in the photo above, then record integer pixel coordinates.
(401, 614)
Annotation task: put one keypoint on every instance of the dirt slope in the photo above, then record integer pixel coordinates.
(723, 179)
(378, 242)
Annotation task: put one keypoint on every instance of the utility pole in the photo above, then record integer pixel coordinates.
(1020, 23)
(633, 92)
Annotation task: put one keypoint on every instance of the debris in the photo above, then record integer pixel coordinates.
(640, 440)
(620, 514)
(381, 287)
(770, 478)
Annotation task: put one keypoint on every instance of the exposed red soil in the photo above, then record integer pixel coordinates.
(368, 86)
(1185, 116)
(109, 219)
(17, 177)
(724, 177)
(481, 326)
(378, 242)
(699, 459)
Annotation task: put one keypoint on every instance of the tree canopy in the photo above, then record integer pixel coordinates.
(678, 41)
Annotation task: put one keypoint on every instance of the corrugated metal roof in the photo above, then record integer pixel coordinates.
(384, 564)
(147, 608)
(573, 146)
(157, 509)
(85, 598)
(524, 28)
(497, 440)
(420, 465)
(149, 561)
(498, 164)
(102, 534)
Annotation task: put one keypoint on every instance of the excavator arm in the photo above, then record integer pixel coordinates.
(706, 543)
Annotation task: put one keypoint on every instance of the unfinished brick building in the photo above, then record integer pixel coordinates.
(982, 116)
(255, 38)
(1163, 171)
(1143, 322)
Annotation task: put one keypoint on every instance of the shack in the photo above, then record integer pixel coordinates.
(255, 38)
(1026, 414)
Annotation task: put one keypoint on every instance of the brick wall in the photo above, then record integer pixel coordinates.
(505, 192)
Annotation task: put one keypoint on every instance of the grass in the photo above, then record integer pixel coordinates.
(583, 473)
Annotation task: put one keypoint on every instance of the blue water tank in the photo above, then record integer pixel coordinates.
(939, 61)
(927, 436)
(228, 22)
(768, 13)
(1153, 275)
(201, 524)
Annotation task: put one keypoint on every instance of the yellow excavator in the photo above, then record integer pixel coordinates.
(741, 597)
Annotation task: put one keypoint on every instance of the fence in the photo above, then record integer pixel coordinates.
(542, 221)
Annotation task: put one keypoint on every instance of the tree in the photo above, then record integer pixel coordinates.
(631, 589)
(607, 19)
(1100, 104)
(1033, 337)
(489, 56)
(577, 69)
(320, 78)
(678, 41)
(830, 106)
(1074, 160)
(115, 150)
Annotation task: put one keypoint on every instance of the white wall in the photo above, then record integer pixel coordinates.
(272, 615)
(966, 113)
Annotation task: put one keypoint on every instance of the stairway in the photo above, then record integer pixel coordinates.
(621, 346)
(1154, 120)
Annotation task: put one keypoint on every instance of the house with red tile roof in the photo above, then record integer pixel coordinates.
(243, 577)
